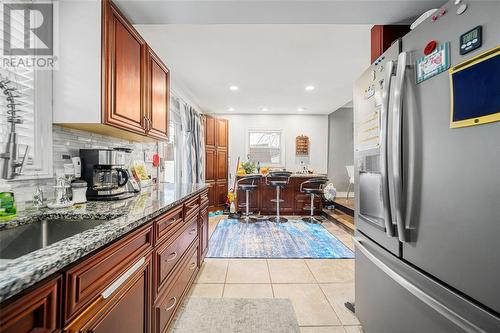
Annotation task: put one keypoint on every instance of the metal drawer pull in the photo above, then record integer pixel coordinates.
(173, 305)
(193, 266)
(172, 221)
(192, 206)
(417, 292)
(121, 280)
(192, 231)
(173, 254)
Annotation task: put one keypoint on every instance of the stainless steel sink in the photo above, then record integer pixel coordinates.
(25, 239)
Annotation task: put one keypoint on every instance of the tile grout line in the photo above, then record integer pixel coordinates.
(270, 279)
(331, 306)
(225, 279)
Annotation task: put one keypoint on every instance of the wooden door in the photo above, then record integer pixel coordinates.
(127, 309)
(158, 97)
(124, 55)
(221, 132)
(37, 311)
(210, 132)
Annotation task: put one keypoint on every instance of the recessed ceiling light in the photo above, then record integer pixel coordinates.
(264, 109)
(301, 109)
(230, 109)
(234, 88)
(310, 88)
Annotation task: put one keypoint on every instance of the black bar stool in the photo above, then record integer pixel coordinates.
(279, 180)
(247, 184)
(313, 187)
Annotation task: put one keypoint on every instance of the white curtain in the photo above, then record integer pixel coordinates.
(193, 170)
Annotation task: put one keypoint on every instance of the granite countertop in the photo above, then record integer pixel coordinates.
(119, 217)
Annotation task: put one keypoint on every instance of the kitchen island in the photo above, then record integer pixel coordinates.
(295, 202)
(137, 261)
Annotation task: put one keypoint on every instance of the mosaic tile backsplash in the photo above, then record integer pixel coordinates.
(68, 141)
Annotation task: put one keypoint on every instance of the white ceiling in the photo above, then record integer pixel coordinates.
(274, 11)
(270, 63)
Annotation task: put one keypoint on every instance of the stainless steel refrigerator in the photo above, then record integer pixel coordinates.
(427, 177)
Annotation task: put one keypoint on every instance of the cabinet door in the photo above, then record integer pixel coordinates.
(221, 132)
(210, 132)
(221, 193)
(38, 311)
(203, 233)
(211, 193)
(221, 165)
(210, 164)
(124, 69)
(158, 97)
(125, 309)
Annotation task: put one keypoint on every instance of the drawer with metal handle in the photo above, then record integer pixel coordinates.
(170, 253)
(88, 278)
(191, 207)
(166, 224)
(177, 289)
(106, 301)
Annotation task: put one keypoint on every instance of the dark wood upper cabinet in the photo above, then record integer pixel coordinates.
(382, 36)
(158, 97)
(210, 132)
(221, 131)
(112, 83)
(124, 72)
(37, 311)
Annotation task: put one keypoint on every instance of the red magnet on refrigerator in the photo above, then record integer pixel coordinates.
(431, 46)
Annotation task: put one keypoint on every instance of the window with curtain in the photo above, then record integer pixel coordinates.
(31, 95)
(172, 167)
(265, 146)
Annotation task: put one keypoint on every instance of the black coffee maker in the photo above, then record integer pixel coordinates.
(104, 170)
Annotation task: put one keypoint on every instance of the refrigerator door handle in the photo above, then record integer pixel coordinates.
(384, 111)
(417, 292)
(395, 170)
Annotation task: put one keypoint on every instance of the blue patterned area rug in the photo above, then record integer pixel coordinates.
(264, 239)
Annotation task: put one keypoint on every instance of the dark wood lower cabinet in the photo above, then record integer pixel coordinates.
(134, 285)
(295, 202)
(170, 300)
(124, 307)
(37, 311)
(203, 232)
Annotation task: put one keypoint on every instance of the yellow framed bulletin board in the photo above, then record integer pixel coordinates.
(475, 90)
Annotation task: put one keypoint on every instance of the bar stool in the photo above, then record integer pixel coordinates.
(313, 187)
(279, 180)
(247, 184)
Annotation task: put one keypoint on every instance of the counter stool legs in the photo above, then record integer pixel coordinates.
(311, 218)
(246, 217)
(277, 218)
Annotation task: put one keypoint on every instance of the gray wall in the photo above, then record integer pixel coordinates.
(340, 147)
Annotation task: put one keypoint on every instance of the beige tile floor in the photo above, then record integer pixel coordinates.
(317, 288)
